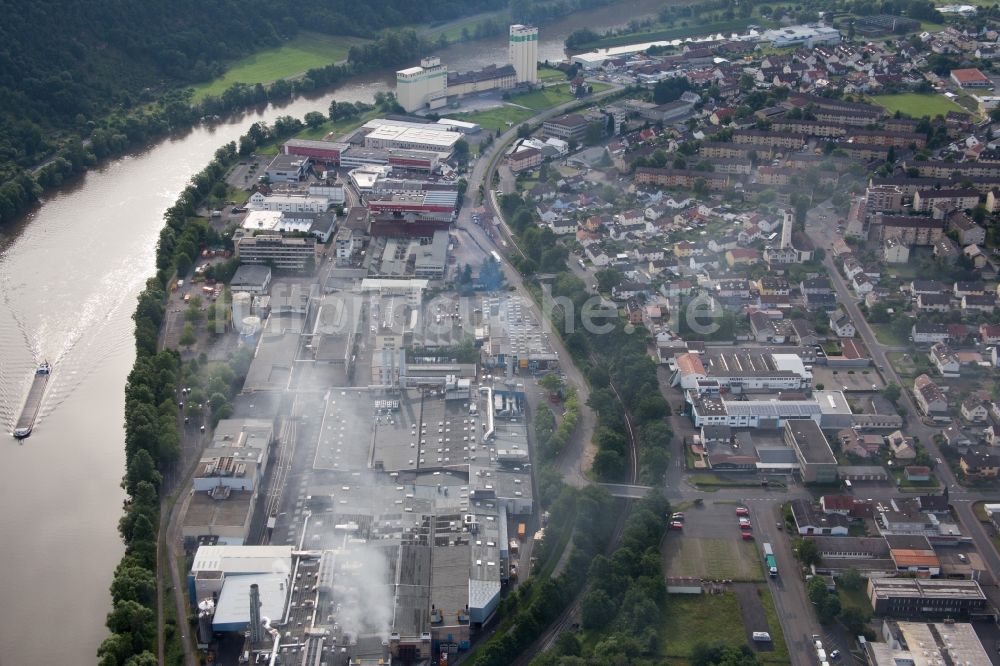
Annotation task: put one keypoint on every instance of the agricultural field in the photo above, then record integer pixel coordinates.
(917, 105)
(306, 51)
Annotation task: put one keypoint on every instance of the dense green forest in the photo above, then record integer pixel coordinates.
(83, 81)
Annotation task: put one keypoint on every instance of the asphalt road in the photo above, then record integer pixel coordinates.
(961, 498)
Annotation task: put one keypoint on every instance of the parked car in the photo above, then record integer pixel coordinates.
(676, 525)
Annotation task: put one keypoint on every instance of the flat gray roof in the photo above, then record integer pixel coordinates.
(810, 441)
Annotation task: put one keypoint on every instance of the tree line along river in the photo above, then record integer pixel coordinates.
(69, 276)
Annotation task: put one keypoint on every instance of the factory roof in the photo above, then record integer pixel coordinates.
(234, 560)
(428, 135)
(810, 441)
(925, 589)
(233, 608)
(929, 644)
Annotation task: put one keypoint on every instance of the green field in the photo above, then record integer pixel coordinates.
(306, 51)
(689, 619)
(546, 74)
(887, 336)
(521, 107)
(713, 559)
(452, 31)
(917, 105)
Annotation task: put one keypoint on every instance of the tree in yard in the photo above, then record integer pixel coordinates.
(828, 609)
(808, 552)
(816, 590)
(892, 392)
(851, 579)
(608, 278)
(462, 150)
(854, 619)
(314, 119)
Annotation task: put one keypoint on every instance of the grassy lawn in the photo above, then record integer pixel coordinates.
(916, 105)
(780, 653)
(546, 74)
(545, 98)
(306, 51)
(854, 599)
(887, 336)
(338, 128)
(713, 559)
(519, 108)
(495, 119)
(453, 31)
(689, 619)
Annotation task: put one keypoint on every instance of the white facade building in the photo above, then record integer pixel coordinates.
(524, 52)
(423, 86)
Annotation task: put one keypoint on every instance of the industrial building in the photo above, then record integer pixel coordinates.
(817, 463)
(321, 225)
(808, 36)
(326, 152)
(429, 202)
(287, 168)
(523, 47)
(410, 136)
(295, 254)
(251, 279)
(511, 337)
(910, 597)
(828, 408)
(425, 86)
(413, 257)
(927, 643)
(741, 372)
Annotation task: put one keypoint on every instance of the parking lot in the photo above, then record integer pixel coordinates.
(710, 546)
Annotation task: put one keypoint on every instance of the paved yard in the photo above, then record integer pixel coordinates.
(710, 546)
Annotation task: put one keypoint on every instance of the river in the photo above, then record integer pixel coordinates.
(69, 276)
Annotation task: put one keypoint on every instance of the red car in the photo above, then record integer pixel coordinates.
(747, 536)
(676, 525)
(742, 511)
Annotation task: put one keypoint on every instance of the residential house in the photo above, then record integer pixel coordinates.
(981, 303)
(944, 359)
(969, 233)
(974, 409)
(901, 446)
(894, 251)
(841, 324)
(934, 302)
(975, 255)
(929, 397)
(989, 334)
(980, 463)
(927, 333)
(961, 289)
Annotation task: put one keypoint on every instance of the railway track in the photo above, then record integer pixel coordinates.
(567, 618)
